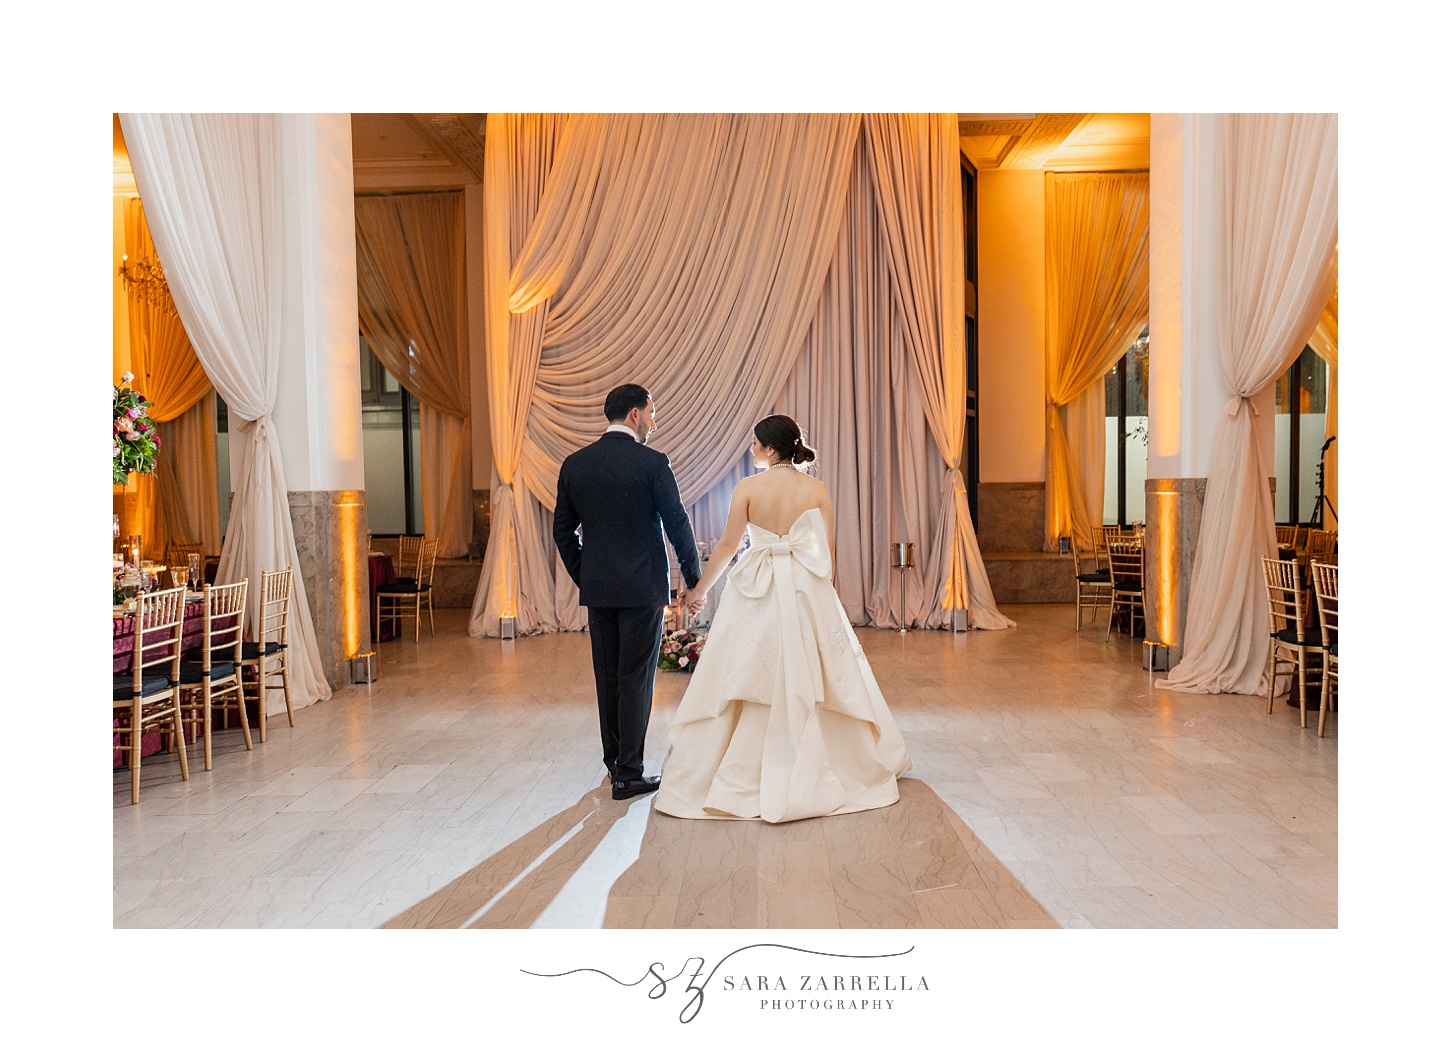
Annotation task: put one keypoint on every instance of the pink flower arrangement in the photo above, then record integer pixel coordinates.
(134, 441)
(680, 651)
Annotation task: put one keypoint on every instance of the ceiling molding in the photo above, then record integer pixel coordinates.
(458, 135)
(992, 127)
(1033, 150)
(402, 174)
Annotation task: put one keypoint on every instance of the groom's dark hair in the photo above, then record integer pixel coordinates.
(622, 399)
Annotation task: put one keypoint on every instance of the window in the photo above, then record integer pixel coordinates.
(1299, 438)
(1126, 435)
(969, 268)
(391, 477)
(224, 465)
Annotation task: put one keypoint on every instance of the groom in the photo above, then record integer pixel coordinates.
(616, 498)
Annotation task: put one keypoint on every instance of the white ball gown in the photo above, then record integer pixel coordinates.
(783, 718)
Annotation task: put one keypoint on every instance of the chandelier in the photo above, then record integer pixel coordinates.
(145, 281)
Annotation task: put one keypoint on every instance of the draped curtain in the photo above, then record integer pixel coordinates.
(410, 300)
(179, 502)
(1325, 342)
(915, 172)
(210, 183)
(690, 254)
(1098, 300)
(1280, 175)
(517, 579)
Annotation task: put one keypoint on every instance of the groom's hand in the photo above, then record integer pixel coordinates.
(693, 601)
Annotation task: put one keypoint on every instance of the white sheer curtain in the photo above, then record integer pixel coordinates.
(1278, 268)
(1325, 342)
(410, 301)
(1097, 232)
(210, 186)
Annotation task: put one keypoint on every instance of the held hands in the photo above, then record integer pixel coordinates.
(693, 600)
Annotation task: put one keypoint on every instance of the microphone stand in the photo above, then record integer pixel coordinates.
(1322, 500)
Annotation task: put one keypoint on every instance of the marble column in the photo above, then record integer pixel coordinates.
(319, 400)
(1187, 390)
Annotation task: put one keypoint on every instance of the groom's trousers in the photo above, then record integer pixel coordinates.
(626, 646)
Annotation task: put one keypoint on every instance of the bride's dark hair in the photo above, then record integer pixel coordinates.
(781, 434)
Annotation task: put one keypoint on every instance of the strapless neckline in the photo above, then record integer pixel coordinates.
(793, 524)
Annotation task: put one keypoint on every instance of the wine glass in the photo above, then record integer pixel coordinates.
(179, 577)
(194, 570)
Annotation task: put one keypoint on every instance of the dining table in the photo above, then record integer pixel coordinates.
(380, 573)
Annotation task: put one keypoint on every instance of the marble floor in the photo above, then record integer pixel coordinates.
(1052, 787)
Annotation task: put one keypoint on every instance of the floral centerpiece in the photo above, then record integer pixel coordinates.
(680, 651)
(135, 441)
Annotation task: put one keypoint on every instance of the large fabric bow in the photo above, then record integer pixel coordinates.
(769, 556)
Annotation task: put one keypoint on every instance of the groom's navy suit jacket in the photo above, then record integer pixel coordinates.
(623, 499)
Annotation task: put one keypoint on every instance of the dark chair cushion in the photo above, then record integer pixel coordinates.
(152, 681)
(1095, 577)
(191, 672)
(403, 586)
(1312, 638)
(249, 649)
(195, 655)
(1334, 646)
(1129, 587)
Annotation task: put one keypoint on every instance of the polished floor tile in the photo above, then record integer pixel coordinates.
(1052, 787)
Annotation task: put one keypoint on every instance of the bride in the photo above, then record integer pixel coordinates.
(782, 719)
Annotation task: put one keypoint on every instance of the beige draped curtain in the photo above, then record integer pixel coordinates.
(915, 172)
(1325, 342)
(179, 501)
(1097, 229)
(1280, 231)
(517, 580)
(687, 253)
(410, 309)
(210, 183)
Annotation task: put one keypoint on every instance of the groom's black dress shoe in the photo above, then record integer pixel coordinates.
(630, 789)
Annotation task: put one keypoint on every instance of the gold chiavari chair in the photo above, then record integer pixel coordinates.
(1101, 537)
(211, 676)
(1094, 586)
(409, 547)
(176, 554)
(1285, 535)
(1291, 644)
(1325, 578)
(407, 596)
(148, 693)
(1126, 570)
(1320, 543)
(267, 657)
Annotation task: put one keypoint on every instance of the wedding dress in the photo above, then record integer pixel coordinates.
(783, 718)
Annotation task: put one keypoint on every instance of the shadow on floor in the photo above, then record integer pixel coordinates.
(913, 864)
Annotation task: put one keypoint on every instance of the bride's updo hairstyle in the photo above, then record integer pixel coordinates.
(781, 434)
